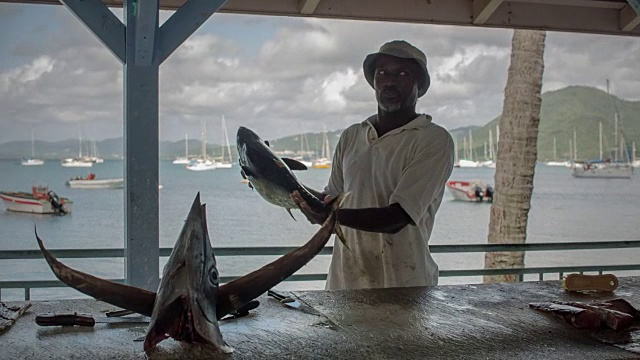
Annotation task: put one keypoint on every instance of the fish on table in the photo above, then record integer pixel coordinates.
(190, 299)
(272, 177)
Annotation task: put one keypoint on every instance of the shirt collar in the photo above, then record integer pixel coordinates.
(422, 120)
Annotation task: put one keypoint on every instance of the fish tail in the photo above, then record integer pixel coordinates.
(336, 204)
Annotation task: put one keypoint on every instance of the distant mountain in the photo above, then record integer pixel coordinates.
(576, 108)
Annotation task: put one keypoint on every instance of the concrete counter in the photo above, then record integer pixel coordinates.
(443, 322)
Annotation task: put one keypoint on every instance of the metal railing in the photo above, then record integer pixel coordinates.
(27, 285)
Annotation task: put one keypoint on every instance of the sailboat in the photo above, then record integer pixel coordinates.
(224, 163)
(203, 163)
(490, 163)
(621, 166)
(32, 161)
(304, 149)
(555, 162)
(183, 160)
(323, 162)
(80, 161)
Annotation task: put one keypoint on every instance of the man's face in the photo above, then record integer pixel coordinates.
(396, 83)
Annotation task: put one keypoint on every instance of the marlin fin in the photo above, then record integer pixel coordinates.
(289, 211)
(246, 171)
(294, 164)
(336, 204)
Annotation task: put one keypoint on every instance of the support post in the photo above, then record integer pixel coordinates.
(141, 146)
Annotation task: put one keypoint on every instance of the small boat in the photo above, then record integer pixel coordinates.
(470, 191)
(32, 162)
(201, 165)
(603, 170)
(90, 182)
(41, 200)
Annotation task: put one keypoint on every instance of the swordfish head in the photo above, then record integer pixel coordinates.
(185, 305)
(189, 301)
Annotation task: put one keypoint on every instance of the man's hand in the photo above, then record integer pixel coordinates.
(312, 216)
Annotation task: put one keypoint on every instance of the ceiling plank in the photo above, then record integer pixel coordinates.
(483, 9)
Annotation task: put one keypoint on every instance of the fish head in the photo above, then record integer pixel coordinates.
(255, 156)
(185, 306)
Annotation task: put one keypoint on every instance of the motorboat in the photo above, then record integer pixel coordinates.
(470, 191)
(91, 182)
(40, 200)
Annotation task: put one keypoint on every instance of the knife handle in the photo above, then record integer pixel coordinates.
(65, 319)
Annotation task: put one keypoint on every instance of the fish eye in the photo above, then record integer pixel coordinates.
(213, 276)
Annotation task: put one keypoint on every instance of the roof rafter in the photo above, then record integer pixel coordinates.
(483, 9)
(630, 15)
(308, 7)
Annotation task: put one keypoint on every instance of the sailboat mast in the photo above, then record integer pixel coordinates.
(33, 147)
(575, 145)
(615, 131)
(555, 154)
(490, 144)
(226, 137)
(600, 138)
(204, 139)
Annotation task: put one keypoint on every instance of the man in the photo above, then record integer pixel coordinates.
(394, 166)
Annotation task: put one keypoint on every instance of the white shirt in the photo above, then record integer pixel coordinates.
(409, 166)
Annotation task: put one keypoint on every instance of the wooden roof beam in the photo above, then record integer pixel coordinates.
(483, 9)
(308, 7)
(630, 15)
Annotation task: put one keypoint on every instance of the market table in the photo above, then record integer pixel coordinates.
(485, 321)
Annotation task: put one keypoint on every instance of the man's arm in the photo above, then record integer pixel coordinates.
(390, 219)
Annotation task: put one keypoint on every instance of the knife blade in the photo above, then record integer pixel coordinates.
(292, 303)
(79, 319)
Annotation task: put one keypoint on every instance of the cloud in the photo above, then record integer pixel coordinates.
(279, 76)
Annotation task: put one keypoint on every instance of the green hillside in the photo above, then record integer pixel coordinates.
(576, 108)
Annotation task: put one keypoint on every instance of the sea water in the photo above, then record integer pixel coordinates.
(564, 209)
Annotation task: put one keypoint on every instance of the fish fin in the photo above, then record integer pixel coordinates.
(246, 171)
(336, 204)
(289, 211)
(127, 297)
(294, 164)
(267, 142)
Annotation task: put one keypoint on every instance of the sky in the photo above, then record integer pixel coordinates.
(276, 75)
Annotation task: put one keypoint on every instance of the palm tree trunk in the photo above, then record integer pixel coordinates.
(517, 151)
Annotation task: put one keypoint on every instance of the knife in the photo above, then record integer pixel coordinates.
(78, 319)
(293, 303)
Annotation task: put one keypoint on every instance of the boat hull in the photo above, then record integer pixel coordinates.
(465, 191)
(27, 203)
(96, 184)
(604, 173)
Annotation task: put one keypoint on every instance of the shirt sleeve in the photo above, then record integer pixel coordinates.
(425, 176)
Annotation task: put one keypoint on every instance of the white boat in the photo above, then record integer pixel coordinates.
(80, 161)
(203, 163)
(32, 161)
(558, 163)
(470, 191)
(464, 163)
(76, 162)
(90, 182)
(39, 201)
(603, 169)
(183, 160)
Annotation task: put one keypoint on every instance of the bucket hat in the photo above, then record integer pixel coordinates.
(401, 49)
